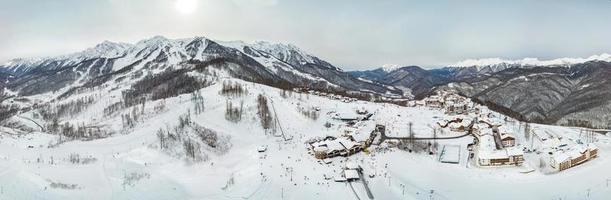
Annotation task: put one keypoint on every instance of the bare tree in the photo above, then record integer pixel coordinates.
(527, 131)
(411, 136)
(264, 112)
(233, 114)
(198, 102)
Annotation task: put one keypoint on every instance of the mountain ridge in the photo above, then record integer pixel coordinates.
(572, 95)
(273, 62)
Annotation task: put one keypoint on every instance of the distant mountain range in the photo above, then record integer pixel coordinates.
(561, 91)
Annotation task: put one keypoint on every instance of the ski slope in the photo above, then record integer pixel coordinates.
(130, 165)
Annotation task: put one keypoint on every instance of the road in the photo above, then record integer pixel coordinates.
(362, 177)
(42, 129)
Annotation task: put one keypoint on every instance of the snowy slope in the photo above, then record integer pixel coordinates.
(131, 165)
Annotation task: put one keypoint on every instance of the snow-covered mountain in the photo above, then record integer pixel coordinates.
(487, 66)
(278, 64)
(202, 119)
(574, 95)
(413, 80)
(530, 61)
(565, 91)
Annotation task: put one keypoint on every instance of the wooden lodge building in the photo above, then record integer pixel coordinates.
(565, 159)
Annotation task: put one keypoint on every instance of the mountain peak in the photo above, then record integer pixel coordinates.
(106, 49)
(155, 40)
(390, 67)
(272, 46)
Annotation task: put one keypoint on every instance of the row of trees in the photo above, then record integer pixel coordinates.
(310, 112)
(578, 123)
(7, 111)
(418, 146)
(169, 83)
(286, 93)
(233, 113)
(130, 119)
(233, 89)
(49, 111)
(79, 131)
(198, 102)
(412, 145)
(189, 139)
(263, 111)
(171, 139)
(113, 108)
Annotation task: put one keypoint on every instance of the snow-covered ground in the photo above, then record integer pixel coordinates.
(130, 164)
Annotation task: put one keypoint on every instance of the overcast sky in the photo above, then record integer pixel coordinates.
(352, 34)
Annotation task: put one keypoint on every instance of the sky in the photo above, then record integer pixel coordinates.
(351, 34)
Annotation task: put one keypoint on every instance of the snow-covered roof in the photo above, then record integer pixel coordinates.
(456, 125)
(261, 148)
(560, 157)
(514, 151)
(506, 136)
(487, 149)
(487, 143)
(351, 174)
(346, 115)
(573, 152)
(363, 132)
(321, 148)
(352, 165)
(332, 145)
(492, 154)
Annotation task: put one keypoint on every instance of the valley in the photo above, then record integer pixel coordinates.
(129, 164)
(202, 119)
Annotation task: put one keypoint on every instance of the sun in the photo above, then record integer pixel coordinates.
(185, 6)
